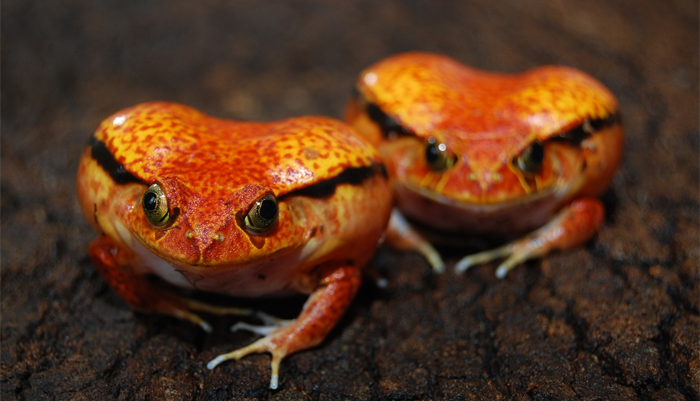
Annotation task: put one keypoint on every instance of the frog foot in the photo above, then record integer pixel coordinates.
(401, 235)
(320, 314)
(265, 344)
(572, 226)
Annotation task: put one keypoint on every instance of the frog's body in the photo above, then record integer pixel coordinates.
(492, 155)
(244, 209)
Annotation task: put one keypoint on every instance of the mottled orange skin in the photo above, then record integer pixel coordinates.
(212, 171)
(487, 120)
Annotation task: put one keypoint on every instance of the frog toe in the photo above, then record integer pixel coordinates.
(188, 316)
(509, 264)
(261, 330)
(264, 344)
(271, 324)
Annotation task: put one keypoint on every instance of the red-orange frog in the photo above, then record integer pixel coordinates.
(490, 155)
(244, 209)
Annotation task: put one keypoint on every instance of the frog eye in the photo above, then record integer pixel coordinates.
(263, 215)
(437, 155)
(155, 205)
(531, 159)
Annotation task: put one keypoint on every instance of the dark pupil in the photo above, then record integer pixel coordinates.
(536, 153)
(268, 209)
(431, 153)
(149, 201)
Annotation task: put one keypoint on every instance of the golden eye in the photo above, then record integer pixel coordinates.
(437, 155)
(531, 159)
(155, 205)
(263, 215)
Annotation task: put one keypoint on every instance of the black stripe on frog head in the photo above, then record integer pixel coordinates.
(351, 175)
(106, 160)
(587, 128)
(389, 126)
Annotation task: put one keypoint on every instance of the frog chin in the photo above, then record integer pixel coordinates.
(263, 276)
(499, 219)
(255, 278)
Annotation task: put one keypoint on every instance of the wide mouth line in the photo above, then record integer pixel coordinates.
(551, 191)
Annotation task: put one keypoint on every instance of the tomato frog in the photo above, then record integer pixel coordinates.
(488, 155)
(238, 208)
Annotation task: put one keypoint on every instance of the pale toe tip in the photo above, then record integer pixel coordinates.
(214, 362)
(274, 382)
(206, 327)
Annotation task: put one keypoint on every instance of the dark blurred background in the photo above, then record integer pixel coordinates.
(617, 319)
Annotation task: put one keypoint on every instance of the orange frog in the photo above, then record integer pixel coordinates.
(243, 209)
(472, 153)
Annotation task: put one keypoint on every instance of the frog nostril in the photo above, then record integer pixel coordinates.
(487, 177)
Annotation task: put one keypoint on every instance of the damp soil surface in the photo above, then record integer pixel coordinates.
(617, 319)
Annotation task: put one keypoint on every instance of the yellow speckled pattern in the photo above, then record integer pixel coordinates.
(164, 139)
(435, 96)
(486, 120)
(213, 171)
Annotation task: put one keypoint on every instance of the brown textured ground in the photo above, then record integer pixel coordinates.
(615, 320)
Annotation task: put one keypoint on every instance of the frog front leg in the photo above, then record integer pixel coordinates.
(113, 262)
(572, 226)
(402, 236)
(320, 314)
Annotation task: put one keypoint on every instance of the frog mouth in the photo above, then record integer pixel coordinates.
(553, 194)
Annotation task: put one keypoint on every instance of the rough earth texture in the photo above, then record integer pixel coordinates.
(615, 320)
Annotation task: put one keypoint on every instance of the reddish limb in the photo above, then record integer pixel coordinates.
(400, 235)
(322, 311)
(576, 224)
(113, 263)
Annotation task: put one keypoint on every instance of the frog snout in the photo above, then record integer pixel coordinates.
(207, 236)
(486, 179)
